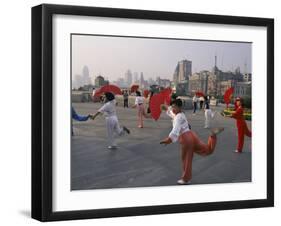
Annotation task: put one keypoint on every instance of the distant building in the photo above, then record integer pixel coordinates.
(163, 82)
(199, 82)
(128, 77)
(100, 81)
(247, 77)
(243, 89)
(143, 84)
(183, 71)
(182, 88)
(81, 80)
(136, 77)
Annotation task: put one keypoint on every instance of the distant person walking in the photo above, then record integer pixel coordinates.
(126, 99)
(201, 101)
(194, 101)
(93, 94)
(139, 104)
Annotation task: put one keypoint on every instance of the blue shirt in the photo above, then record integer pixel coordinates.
(77, 117)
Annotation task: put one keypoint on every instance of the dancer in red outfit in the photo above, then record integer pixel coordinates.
(189, 141)
(242, 127)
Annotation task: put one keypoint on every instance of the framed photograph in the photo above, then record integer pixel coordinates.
(140, 112)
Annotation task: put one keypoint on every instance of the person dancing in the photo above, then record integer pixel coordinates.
(80, 118)
(242, 128)
(112, 124)
(189, 141)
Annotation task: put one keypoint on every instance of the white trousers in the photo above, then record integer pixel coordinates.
(113, 127)
(208, 116)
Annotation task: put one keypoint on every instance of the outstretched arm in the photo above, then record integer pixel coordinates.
(95, 115)
(166, 141)
(77, 117)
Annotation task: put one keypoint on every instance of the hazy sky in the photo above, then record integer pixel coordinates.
(113, 56)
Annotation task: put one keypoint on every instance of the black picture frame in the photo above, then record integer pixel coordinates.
(42, 111)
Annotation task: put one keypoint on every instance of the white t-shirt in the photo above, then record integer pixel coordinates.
(180, 126)
(139, 100)
(194, 99)
(108, 108)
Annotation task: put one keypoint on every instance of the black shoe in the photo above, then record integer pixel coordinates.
(126, 129)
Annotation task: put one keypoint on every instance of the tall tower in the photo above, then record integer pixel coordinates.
(128, 77)
(215, 60)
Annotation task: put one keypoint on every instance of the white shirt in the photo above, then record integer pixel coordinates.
(180, 126)
(139, 100)
(201, 98)
(108, 108)
(194, 99)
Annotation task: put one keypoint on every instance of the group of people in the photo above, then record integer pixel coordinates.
(181, 132)
(204, 102)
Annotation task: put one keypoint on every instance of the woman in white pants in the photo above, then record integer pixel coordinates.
(209, 115)
(111, 120)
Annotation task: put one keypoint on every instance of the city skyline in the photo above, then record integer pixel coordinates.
(112, 57)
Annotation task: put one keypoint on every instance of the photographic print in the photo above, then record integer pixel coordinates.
(159, 111)
(131, 105)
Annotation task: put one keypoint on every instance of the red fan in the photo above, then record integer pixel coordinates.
(166, 95)
(199, 94)
(108, 88)
(145, 93)
(155, 105)
(227, 95)
(134, 88)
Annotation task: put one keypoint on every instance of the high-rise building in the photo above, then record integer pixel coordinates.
(129, 77)
(86, 80)
(183, 71)
(136, 77)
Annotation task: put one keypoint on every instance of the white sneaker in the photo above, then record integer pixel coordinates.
(236, 151)
(112, 147)
(182, 182)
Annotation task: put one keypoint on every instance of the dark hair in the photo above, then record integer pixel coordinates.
(109, 96)
(138, 93)
(177, 102)
(174, 96)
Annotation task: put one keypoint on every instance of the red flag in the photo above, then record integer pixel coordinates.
(134, 88)
(155, 105)
(108, 88)
(227, 95)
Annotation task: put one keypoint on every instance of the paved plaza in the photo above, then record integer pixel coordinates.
(141, 161)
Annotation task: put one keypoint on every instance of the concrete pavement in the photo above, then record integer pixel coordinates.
(141, 161)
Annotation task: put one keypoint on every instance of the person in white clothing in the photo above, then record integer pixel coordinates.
(190, 143)
(139, 104)
(112, 124)
(194, 101)
(209, 115)
(201, 101)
